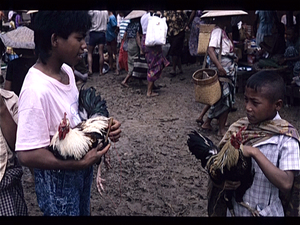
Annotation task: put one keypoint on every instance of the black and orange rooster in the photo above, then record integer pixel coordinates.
(74, 143)
(228, 164)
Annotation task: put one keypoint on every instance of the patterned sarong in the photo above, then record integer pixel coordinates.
(155, 59)
(12, 201)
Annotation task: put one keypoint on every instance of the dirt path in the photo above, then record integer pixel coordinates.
(153, 172)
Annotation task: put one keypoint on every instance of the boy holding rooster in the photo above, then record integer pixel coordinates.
(273, 145)
(63, 187)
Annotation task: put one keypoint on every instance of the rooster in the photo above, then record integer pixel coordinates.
(227, 164)
(68, 143)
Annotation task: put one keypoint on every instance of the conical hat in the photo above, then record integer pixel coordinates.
(135, 14)
(22, 37)
(216, 13)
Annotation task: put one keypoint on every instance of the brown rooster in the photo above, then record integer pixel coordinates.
(229, 164)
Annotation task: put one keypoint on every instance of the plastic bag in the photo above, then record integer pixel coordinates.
(156, 31)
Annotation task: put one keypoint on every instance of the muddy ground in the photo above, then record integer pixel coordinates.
(153, 173)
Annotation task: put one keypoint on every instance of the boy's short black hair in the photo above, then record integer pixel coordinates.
(62, 23)
(272, 81)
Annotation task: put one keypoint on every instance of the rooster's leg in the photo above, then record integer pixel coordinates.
(99, 180)
(254, 212)
(228, 197)
(107, 161)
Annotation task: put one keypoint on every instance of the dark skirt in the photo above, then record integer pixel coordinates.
(176, 44)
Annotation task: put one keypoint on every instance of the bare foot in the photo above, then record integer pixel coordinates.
(200, 120)
(124, 84)
(153, 94)
(221, 133)
(206, 127)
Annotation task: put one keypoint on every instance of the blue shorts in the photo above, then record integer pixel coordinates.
(64, 192)
(97, 38)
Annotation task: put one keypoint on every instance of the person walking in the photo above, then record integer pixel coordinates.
(155, 59)
(220, 43)
(134, 48)
(177, 21)
(111, 39)
(97, 32)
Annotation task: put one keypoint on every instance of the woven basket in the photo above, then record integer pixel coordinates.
(204, 36)
(207, 90)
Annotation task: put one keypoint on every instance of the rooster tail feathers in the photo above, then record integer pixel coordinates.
(201, 146)
(91, 104)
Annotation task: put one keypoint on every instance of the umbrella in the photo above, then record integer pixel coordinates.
(216, 13)
(22, 37)
(135, 14)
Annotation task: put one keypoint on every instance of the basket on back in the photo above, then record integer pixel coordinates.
(207, 86)
(204, 36)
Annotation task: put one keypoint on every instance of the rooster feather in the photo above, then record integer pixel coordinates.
(91, 104)
(229, 163)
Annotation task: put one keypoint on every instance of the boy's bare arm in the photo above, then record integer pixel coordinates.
(7, 125)
(283, 180)
(44, 159)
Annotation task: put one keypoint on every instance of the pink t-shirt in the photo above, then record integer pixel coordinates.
(42, 103)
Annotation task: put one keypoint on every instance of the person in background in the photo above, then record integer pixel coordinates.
(111, 39)
(195, 30)
(123, 54)
(121, 27)
(97, 37)
(227, 69)
(133, 35)
(11, 19)
(155, 59)
(81, 71)
(18, 19)
(18, 68)
(177, 21)
(12, 202)
(263, 24)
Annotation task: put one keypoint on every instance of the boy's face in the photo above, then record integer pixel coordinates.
(258, 107)
(72, 48)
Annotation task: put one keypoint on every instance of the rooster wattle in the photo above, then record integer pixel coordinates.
(228, 164)
(68, 143)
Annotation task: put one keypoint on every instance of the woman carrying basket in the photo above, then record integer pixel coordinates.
(227, 71)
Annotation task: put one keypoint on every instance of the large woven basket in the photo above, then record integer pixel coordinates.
(204, 36)
(207, 90)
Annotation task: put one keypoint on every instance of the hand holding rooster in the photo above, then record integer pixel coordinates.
(94, 155)
(115, 131)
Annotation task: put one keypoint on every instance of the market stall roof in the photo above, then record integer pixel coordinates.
(22, 37)
(216, 13)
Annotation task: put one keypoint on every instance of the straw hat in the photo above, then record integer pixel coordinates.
(22, 37)
(216, 13)
(32, 11)
(135, 14)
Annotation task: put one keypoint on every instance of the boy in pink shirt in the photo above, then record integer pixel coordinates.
(62, 186)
